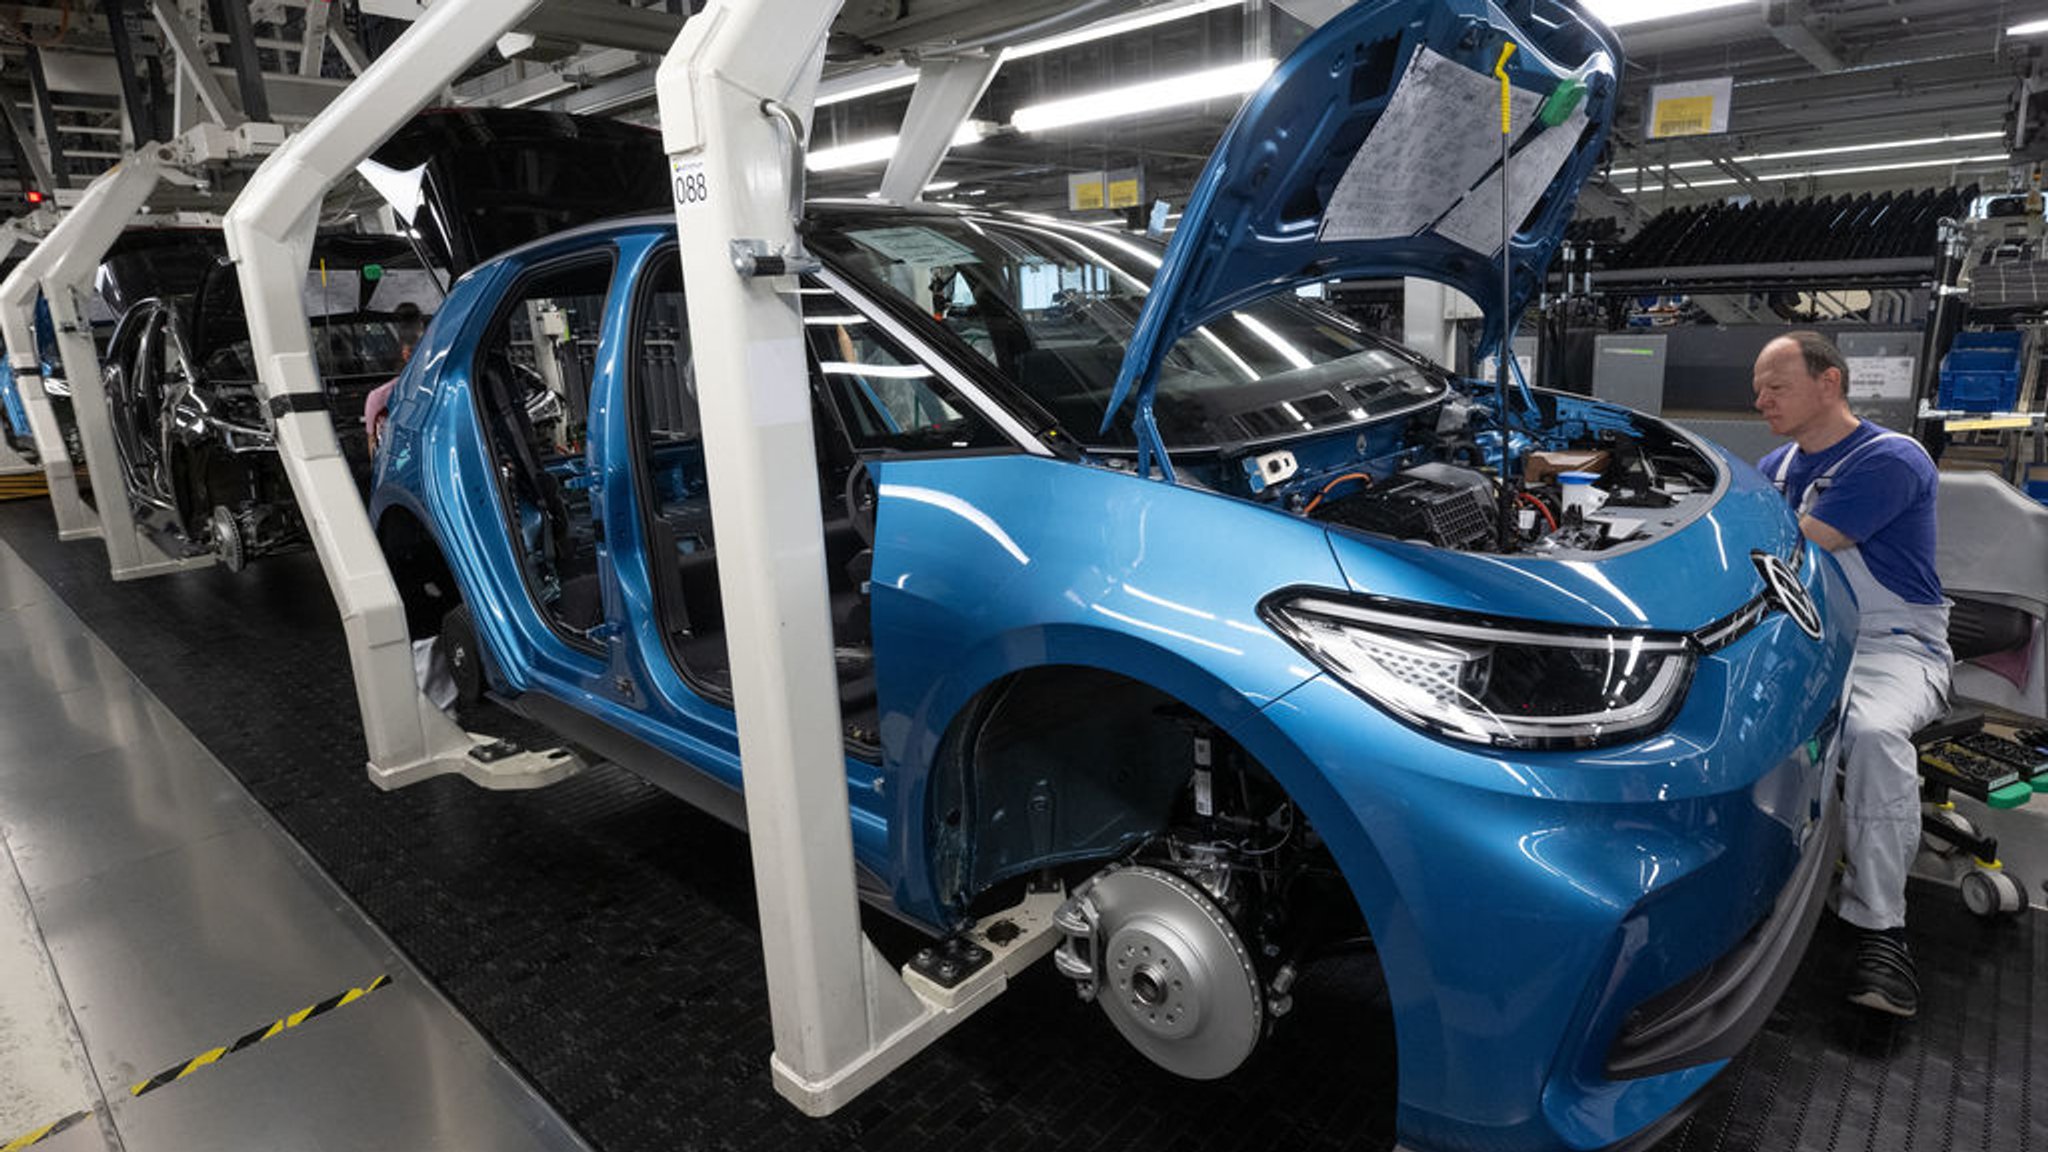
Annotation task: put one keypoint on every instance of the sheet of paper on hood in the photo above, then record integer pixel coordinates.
(337, 293)
(1439, 135)
(414, 286)
(1475, 222)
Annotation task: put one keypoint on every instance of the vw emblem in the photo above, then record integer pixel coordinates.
(1782, 585)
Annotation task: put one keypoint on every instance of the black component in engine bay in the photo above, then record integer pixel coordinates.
(1447, 506)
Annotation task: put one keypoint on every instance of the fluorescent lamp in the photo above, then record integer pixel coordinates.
(1855, 170)
(1844, 149)
(1654, 189)
(1164, 14)
(1620, 13)
(867, 82)
(1944, 162)
(1193, 88)
(1802, 153)
(877, 150)
(2030, 28)
(874, 81)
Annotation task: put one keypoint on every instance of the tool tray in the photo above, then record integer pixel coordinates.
(1957, 754)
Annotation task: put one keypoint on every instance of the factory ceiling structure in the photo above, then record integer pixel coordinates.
(1827, 95)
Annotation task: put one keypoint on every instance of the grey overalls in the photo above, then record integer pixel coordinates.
(1897, 685)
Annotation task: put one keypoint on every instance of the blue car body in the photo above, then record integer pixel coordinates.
(1579, 922)
(19, 434)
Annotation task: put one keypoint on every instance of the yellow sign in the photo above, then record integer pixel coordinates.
(1685, 116)
(1689, 108)
(1097, 190)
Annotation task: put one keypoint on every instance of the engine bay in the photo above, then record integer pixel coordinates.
(1581, 476)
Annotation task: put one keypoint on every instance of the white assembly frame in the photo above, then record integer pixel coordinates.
(735, 94)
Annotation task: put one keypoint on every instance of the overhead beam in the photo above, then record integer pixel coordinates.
(141, 113)
(246, 61)
(193, 65)
(289, 96)
(31, 149)
(1792, 24)
(313, 45)
(947, 90)
(538, 83)
(39, 86)
(604, 24)
(351, 53)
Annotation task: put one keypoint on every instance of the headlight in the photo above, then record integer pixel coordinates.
(1498, 683)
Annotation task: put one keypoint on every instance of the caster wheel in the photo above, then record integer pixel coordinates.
(227, 539)
(1950, 819)
(1989, 894)
(465, 659)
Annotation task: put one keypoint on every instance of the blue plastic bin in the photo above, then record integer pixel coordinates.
(1981, 372)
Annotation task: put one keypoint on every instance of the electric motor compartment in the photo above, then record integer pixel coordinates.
(1439, 486)
(1448, 506)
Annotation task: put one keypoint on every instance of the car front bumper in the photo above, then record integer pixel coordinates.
(1576, 942)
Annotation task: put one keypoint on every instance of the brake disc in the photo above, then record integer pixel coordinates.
(1177, 980)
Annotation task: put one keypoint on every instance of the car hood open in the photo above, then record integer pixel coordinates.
(1374, 150)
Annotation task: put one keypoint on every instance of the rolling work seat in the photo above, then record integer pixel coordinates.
(1992, 557)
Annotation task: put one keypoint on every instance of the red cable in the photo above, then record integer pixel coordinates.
(1540, 507)
(1332, 484)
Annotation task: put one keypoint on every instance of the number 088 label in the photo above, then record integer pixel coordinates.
(691, 188)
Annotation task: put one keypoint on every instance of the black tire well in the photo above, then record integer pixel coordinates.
(1054, 765)
(426, 585)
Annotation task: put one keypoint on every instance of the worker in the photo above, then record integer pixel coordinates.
(407, 324)
(1866, 494)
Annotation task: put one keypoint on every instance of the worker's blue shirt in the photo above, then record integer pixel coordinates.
(1883, 500)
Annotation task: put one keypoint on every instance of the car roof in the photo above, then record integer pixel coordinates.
(814, 211)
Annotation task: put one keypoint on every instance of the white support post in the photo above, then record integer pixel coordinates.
(22, 231)
(739, 74)
(948, 88)
(79, 244)
(270, 236)
(18, 295)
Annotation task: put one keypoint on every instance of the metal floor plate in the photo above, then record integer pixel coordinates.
(175, 973)
(601, 935)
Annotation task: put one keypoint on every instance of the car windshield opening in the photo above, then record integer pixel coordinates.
(1053, 307)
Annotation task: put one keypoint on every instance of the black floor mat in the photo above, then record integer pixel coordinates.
(602, 936)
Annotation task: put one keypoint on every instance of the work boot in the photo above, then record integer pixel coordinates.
(1884, 977)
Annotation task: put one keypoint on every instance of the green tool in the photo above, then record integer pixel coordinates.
(1561, 103)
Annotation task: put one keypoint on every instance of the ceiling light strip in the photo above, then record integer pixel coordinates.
(877, 150)
(1803, 153)
(849, 86)
(1153, 96)
(1106, 29)
(1621, 13)
(1824, 173)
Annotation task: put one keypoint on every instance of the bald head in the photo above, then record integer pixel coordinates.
(1802, 384)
